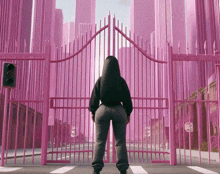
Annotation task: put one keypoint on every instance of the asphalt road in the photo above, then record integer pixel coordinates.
(111, 169)
(137, 165)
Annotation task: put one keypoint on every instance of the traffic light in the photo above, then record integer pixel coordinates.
(9, 75)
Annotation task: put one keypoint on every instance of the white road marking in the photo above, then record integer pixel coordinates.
(8, 169)
(138, 169)
(202, 170)
(63, 169)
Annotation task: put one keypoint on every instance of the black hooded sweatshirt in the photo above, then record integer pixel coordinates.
(111, 88)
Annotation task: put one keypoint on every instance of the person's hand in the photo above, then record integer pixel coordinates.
(128, 119)
(93, 118)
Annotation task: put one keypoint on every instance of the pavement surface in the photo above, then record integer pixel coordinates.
(31, 164)
(135, 168)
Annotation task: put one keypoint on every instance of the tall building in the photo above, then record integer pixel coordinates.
(43, 28)
(72, 31)
(58, 31)
(202, 27)
(169, 28)
(142, 18)
(15, 30)
(66, 33)
(84, 20)
(85, 14)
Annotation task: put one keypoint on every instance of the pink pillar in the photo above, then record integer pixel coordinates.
(172, 136)
(199, 118)
(44, 140)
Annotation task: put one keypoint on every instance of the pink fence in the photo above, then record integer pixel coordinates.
(72, 135)
(23, 106)
(146, 133)
(173, 114)
(196, 102)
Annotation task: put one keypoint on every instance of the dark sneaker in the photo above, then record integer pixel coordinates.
(123, 172)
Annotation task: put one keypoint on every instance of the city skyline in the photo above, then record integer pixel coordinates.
(121, 9)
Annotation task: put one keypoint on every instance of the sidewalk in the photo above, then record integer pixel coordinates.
(20, 152)
(194, 153)
(214, 156)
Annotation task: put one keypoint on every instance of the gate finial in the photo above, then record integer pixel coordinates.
(214, 47)
(179, 47)
(196, 47)
(205, 47)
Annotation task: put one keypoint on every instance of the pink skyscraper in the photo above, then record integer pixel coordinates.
(66, 33)
(142, 24)
(15, 19)
(84, 20)
(42, 32)
(169, 28)
(202, 26)
(85, 14)
(142, 18)
(72, 31)
(43, 29)
(58, 28)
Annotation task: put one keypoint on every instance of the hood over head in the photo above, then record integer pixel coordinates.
(110, 86)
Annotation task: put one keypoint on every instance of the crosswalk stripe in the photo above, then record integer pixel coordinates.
(138, 169)
(63, 169)
(8, 169)
(202, 170)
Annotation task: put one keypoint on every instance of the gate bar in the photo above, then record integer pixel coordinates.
(218, 110)
(4, 126)
(172, 137)
(46, 108)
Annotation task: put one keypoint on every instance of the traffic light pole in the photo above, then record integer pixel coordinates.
(7, 92)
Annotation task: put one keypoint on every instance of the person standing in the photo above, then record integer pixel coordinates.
(116, 105)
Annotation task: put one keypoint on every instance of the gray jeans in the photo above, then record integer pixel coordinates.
(103, 116)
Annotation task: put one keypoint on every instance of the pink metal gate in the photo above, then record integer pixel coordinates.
(196, 105)
(76, 69)
(49, 107)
